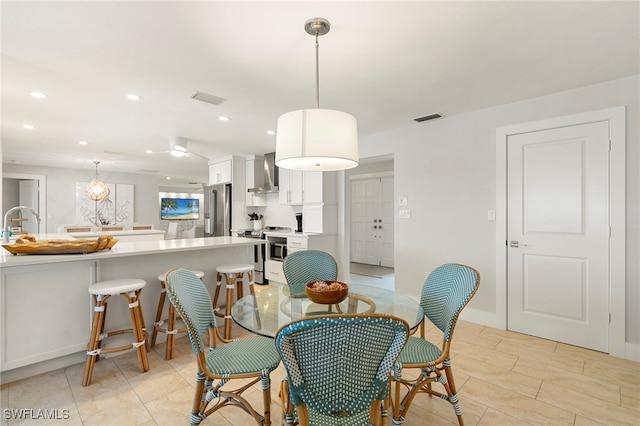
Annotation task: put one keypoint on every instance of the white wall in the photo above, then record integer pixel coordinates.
(61, 192)
(447, 168)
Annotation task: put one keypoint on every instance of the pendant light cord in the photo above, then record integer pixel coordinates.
(317, 72)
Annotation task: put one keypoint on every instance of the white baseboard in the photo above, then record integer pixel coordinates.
(632, 351)
(476, 316)
(479, 317)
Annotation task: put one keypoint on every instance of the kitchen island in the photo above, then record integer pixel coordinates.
(45, 308)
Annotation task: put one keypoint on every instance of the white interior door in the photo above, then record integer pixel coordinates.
(558, 234)
(28, 196)
(372, 221)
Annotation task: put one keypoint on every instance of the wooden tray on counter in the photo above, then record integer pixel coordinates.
(27, 244)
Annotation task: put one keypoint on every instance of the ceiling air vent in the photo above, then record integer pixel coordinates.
(146, 171)
(206, 97)
(428, 117)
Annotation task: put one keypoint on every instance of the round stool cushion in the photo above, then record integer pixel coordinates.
(112, 287)
(234, 268)
(199, 274)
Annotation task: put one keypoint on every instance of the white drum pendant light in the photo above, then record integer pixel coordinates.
(96, 190)
(317, 139)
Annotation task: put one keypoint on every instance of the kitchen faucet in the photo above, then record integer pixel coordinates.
(5, 234)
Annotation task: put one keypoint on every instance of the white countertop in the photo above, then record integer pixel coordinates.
(122, 249)
(287, 234)
(92, 234)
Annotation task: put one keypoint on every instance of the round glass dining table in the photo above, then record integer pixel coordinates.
(270, 308)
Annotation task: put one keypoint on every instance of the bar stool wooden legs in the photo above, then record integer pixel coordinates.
(233, 278)
(170, 330)
(130, 289)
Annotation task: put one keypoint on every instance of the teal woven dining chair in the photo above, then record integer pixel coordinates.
(301, 267)
(250, 360)
(447, 290)
(338, 367)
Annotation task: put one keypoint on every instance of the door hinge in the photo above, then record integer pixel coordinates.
(609, 317)
(609, 145)
(609, 232)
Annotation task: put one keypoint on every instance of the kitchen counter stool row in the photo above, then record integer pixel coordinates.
(130, 289)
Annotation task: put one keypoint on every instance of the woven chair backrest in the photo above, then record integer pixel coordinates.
(191, 299)
(447, 290)
(338, 365)
(301, 267)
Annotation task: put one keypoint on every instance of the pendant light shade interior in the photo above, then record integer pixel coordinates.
(317, 139)
(96, 190)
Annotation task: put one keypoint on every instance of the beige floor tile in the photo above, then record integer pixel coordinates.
(587, 406)
(515, 404)
(607, 391)
(584, 421)
(116, 408)
(630, 396)
(627, 372)
(493, 417)
(174, 408)
(529, 351)
(153, 385)
(490, 356)
(521, 383)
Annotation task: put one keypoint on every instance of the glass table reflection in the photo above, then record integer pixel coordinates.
(270, 308)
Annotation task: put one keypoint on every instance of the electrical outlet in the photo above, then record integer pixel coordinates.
(404, 214)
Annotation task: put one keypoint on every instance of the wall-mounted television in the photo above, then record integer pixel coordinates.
(179, 208)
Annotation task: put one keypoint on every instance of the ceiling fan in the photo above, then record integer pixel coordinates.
(178, 148)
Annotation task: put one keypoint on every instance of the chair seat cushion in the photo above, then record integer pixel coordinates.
(244, 356)
(419, 351)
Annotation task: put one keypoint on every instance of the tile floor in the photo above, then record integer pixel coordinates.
(503, 378)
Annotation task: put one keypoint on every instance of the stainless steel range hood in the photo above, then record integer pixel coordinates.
(270, 175)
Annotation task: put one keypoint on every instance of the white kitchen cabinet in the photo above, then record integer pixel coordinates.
(45, 312)
(298, 187)
(220, 172)
(320, 218)
(273, 271)
(254, 178)
(290, 192)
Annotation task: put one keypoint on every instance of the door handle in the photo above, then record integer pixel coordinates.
(516, 244)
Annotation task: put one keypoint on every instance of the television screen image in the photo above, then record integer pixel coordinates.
(179, 208)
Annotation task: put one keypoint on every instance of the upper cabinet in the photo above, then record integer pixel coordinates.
(290, 187)
(220, 171)
(303, 188)
(254, 175)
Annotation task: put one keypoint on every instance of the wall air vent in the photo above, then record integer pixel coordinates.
(208, 98)
(146, 171)
(428, 117)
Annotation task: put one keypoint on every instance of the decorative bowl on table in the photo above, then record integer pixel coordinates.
(326, 292)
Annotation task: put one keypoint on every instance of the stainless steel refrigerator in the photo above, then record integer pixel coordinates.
(217, 210)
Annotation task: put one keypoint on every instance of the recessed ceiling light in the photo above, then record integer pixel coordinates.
(148, 151)
(38, 95)
(133, 97)
(223, 118)
(271, 132)
(28, 126)
(83, 142)
(168, 177)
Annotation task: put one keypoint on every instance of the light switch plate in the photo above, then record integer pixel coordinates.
(404, 214)
(403, 201)
(491, 215)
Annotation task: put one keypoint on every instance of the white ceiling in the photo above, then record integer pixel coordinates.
(384, 62)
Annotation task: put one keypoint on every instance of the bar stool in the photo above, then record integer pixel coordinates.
(130, 289)
(234, 278)
(170, 330)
